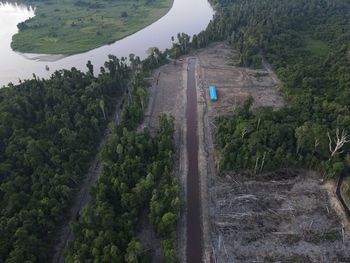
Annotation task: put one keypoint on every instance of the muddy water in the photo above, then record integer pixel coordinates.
(194, 232)
(186, 16)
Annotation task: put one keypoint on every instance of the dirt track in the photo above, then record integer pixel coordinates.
(65, 233)
(168, 95)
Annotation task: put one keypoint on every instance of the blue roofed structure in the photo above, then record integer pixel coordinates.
(212, 93)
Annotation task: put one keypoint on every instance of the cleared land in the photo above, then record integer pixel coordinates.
(278, 217)
(71, 26)
(235, 84)
(168, 95)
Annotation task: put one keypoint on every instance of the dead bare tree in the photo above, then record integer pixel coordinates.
(317, 143)
(263, 162)
(256, 167)
(244, 132)
(338, 142)
(256, 164)
(258, 125)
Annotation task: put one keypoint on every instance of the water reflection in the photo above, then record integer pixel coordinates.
(11, 14)
(189, 16)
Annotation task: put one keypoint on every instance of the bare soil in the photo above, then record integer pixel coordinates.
(235, 84)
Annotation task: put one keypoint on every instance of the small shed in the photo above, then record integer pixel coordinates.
(213, 93)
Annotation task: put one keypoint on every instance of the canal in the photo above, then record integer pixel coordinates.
(194, 232)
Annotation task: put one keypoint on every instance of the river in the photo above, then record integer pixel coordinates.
(188, 16)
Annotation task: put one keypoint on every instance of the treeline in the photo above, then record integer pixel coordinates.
(307, 43)
(49, 131)
(269, 140)
(137, 176)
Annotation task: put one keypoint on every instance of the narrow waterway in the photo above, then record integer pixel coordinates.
(190, 17)
(194, 231)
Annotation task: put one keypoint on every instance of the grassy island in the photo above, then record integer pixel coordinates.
(74, 26)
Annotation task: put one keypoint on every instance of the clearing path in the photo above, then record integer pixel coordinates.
(82, 197)
(168, 95)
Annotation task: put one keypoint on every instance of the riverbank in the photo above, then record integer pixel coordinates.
(180, 18)
(68, 27)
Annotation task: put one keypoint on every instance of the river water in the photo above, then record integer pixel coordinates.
(188, 16)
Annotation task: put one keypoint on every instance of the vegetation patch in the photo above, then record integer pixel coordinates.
(71, 26)
(313, 131)
(317, 47)
(317, 237)
(136, 177)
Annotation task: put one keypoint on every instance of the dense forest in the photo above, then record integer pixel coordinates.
(49, 130)
(307, 42)
(137, 177)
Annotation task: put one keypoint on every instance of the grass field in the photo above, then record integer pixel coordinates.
(316, 47)
(73, 26)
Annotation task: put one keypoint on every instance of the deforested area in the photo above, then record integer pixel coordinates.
(282, 216)
(256, 213)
